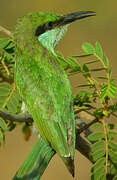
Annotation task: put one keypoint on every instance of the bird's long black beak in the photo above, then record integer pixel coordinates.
(68, 18)
(63, 20)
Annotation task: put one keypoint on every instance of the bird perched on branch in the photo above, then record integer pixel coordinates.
(45, 88)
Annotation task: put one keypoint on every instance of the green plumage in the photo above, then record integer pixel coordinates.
(45, 88)
(36, 162)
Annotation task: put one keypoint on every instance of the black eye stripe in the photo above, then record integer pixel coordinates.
(40, 30)
(43, 28)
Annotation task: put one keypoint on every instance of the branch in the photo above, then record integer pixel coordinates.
(85, 126)
(81, 144)
(6, 31)
(23, 117)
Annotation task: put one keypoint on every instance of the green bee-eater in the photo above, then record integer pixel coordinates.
(44, 86)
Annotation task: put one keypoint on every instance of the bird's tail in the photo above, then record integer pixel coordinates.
(35, 164)
(69, 163)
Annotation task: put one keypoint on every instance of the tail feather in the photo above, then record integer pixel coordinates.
(37, 161)
(35, 164)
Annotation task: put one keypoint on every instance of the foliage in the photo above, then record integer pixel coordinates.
(10, 99)
(94, 97)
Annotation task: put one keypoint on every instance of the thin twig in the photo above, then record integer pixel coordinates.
(5, 67)
(6, 31)
(12, 90)
(106, 143)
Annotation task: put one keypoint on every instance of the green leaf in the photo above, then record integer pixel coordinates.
(97, 145)
(115, 177)
(109, 72)
(103, 90)
(3, 139)
(102, 77)
(84, 85)
(1, 136)
(97, 126)
(4, 89)
(10, 46)
(113, 87)
(5, 86)
(82, 55)
(3, 127)
(113, 168)
(99, 51)
(98, 173)
(3, 124)
(91, 62)
(111, 126)
(98, 113)
(2, 100)
(4, 42)
(85, 70)
(98, 164)
(96, 136)
(11, 126)
(113, 156)
(13, 102)
(72, 62)
(103, 177)
(9, 98)
(88, 48)
(11, 106)
(97, 69)
(106, 61)
(63, 62)
(108, 89)
(84, 93)
(98, 154)
(83, 96)
(112, 145)
(112, 135)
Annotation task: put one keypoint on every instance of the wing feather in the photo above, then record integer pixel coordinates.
(48, 98)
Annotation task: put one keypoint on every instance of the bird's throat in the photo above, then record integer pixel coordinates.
(51, 38)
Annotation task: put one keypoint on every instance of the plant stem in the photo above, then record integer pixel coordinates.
(106, 143)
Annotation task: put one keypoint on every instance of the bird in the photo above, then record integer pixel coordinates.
(44, 86)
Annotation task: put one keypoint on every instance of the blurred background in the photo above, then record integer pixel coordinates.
(102, 28)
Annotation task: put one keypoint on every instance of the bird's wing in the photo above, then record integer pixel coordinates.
(47, 94)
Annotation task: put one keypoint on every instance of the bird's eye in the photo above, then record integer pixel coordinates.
(49, 24)
(43, 28)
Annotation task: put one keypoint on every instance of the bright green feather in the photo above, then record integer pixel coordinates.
(43, 84)
(51, 38)
(45, 88)
(36, 162)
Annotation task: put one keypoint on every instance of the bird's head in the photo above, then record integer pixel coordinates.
(48, 28)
